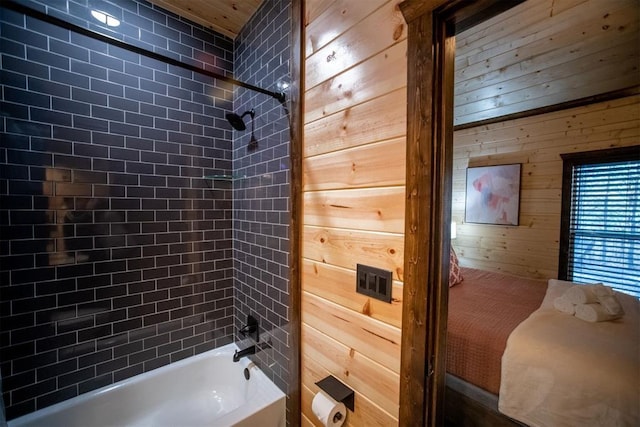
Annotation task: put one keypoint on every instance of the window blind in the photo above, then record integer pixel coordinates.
(604, 231)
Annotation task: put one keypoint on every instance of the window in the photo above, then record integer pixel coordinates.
(600, 224)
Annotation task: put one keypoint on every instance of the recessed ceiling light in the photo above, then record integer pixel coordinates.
(105, 18)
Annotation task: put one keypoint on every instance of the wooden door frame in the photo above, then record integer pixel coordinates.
(297, 72)
(296, 100)
(430, 65)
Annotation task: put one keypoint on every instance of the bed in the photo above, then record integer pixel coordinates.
(495, 317)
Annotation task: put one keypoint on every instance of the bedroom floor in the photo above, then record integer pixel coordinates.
(461, 411)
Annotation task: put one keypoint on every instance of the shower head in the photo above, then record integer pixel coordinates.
(236, 120)
(238, 124)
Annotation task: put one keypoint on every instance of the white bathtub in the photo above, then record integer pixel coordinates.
(204, 390)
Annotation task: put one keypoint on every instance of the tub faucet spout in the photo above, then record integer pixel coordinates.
(243, 353)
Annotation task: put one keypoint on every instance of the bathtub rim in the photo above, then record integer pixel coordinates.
(226, 350)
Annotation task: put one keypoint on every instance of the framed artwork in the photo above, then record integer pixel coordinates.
(493, 194)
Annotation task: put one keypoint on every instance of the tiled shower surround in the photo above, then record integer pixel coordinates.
(261, 186)
(117, 256)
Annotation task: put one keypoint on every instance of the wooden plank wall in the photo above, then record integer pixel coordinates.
(539, 53)
(531, 249)
(354, 165)
(353, 192)
(544, 52)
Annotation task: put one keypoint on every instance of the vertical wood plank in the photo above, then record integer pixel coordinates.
(296, 67)
(413, 387)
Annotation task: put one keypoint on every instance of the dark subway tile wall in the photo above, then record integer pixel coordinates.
(261, 189)
(115, 253)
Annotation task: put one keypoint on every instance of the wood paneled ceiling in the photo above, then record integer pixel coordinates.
(224, 16)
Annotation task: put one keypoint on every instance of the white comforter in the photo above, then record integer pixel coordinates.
(558, 370)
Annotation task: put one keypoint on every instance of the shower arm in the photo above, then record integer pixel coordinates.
(252, 113)
(16, 7)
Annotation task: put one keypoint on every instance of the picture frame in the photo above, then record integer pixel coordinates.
(492, 194)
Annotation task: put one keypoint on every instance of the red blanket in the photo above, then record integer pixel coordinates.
(483, 310)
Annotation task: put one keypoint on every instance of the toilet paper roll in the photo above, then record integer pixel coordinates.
(329, 412)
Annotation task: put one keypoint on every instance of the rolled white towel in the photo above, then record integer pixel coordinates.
(564, 305)
(581, 294)
(594, 312)
(607, 297)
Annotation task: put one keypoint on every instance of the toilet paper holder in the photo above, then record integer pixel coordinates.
(338, 391)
